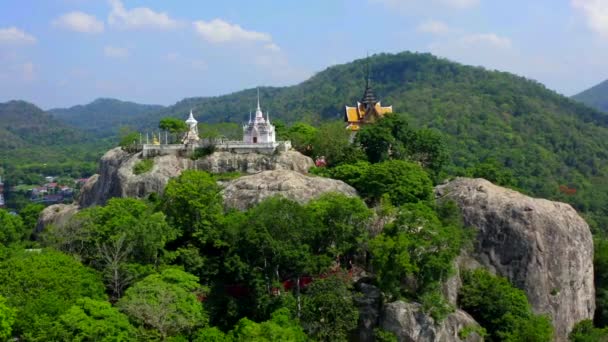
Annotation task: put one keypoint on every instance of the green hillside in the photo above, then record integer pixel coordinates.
(33, 142)
(596, 96)
(103, 116)
(546, 139)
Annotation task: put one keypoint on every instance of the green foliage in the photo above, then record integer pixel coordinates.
(382, 335)
(301, 135)
(92, 320)
(494, 172)
(416, 244)
(173, 125)
(434, 304)
(278, 329)
(502, 309)
(166, 302)
(402, 181)
(211, 334)
(600, 268)
(596, 96)
(128, 139)
(11, 228)
(228, 130)
(7, 318)
(42, 295)
(332, 141)
(328, 311)
(201, 152)
(193, 204)
(30, 215)
(468, 330)
(584, 331)
(143, 166)
(117, 239)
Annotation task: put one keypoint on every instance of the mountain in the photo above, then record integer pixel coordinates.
(33, 141)
(596, 96)
(103, 116)
(549, 142)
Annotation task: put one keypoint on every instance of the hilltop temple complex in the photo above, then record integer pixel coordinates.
(258, 137)
(368, 110)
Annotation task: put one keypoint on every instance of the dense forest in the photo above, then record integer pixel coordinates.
(595, 97)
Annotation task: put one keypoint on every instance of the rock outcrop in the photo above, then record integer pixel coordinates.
(56, 214)
(246, 191)
(370, 306)
(542, 247)
(221, 162)
(116, 177)
(410, 324)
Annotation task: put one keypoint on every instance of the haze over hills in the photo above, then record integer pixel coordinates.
(596, 96)
(103, 116)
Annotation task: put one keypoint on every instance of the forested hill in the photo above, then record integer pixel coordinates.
(596, 96)
(103, 116)
(546, 139)
(32, 141)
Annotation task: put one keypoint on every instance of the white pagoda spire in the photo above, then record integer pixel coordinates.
(258, 112)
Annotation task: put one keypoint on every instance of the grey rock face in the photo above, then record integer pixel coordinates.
(247, 191)
(57, 215)
(116, 177)
(410, 324)
(370, 305)
(221, 162)
(542, 247)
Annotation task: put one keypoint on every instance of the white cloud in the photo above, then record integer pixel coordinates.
(272, 47)
(79, 22)
(13, 35)
(408, 4)
(115, 52)
(220, 31)
(490, 39)
(433, 27)
(138, 18)
(596, 13)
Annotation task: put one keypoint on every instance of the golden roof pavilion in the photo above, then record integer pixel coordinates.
(368, 110)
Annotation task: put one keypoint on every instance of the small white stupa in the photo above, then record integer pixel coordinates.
(192, 135)
(259, 130)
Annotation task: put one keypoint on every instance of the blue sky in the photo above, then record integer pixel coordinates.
(58, 53)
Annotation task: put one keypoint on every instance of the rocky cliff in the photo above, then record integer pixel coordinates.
(247, 191)
(116, 177)
(542, 247)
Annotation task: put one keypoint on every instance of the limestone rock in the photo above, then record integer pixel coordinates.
(116, 177)
(247, 191)
(410, 324)
(221, 162)
(542, 247)
(57, 215)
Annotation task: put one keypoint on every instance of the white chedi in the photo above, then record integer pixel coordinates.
(259, 130)
(192, 134)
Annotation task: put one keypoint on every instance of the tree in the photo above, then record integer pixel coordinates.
(42, 295)
(173, 125)
(279, 328)
(332, 141)
(12, 229)
(328, 309)
(301, 136)
(7, 318)
(166, 303)
(403, 182)
(92, 320)
(584, 331)
(128, 139)
(30, 215)
(502, 309)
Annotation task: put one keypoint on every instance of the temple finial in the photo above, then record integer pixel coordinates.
(259, 99)
(250, 116)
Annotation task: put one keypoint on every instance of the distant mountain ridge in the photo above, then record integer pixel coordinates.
(596, 96)
(103, 116)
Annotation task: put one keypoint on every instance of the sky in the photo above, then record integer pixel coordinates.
(60, 53)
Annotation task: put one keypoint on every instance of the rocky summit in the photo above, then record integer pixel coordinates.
(542, 247)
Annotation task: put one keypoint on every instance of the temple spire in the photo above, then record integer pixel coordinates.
(268, 116)
(259, 100)
(249, 116)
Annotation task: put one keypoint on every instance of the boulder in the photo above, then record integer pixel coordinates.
(56, 214)
(542, 247)
(246, 191)
(222, 162)
(410, 324)
(116, 177)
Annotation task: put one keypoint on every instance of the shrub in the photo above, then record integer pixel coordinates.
(143, 166)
